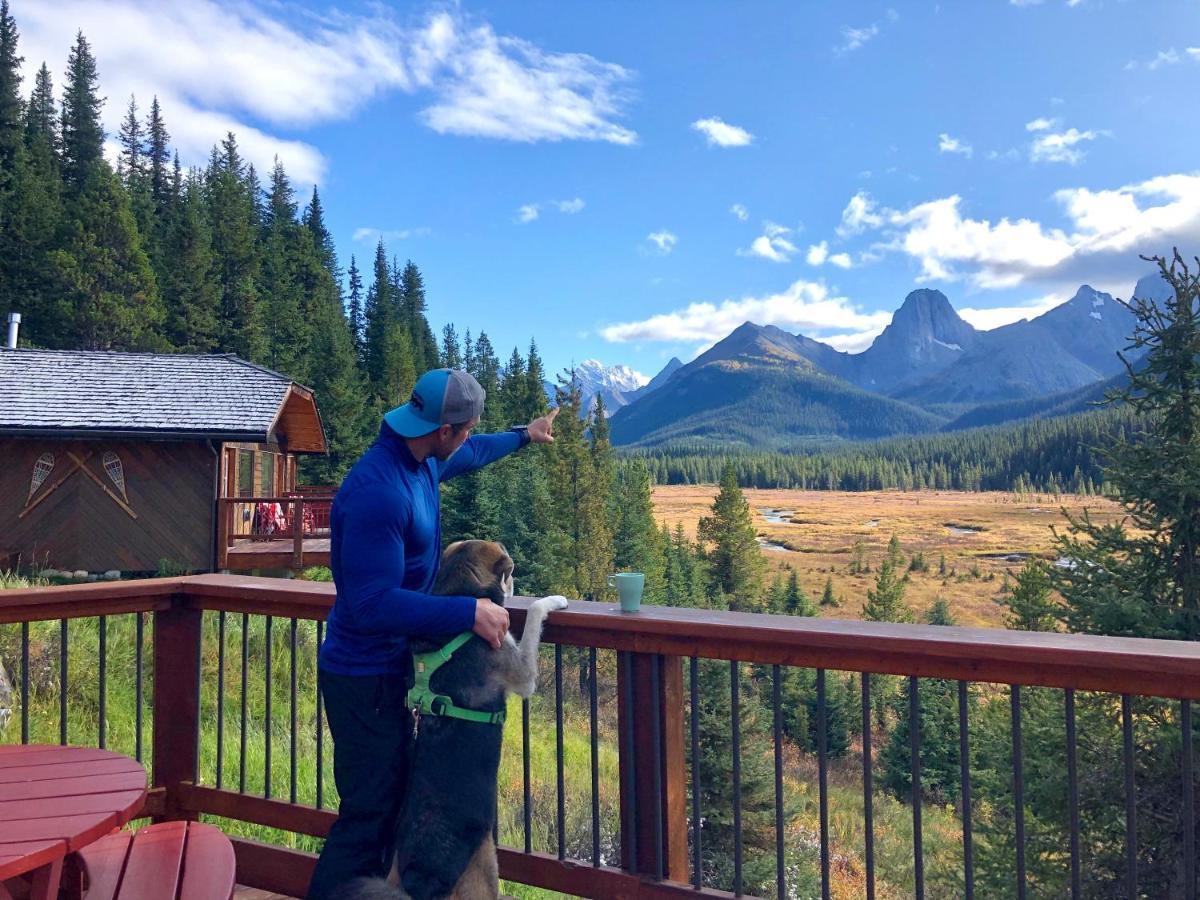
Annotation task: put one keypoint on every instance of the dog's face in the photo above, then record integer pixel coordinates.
(476, 569)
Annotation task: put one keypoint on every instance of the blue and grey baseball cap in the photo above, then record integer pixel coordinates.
(440, 397)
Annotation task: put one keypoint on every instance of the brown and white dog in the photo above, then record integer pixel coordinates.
(444, 845)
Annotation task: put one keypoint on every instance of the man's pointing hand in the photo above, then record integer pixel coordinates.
(541, 430)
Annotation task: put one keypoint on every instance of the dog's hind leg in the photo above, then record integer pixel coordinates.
(516, 664)
(481, 880)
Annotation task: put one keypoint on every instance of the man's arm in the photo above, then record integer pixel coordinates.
(481, 449)
(372, 569)
(478, 451)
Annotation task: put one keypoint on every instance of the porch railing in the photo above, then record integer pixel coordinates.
(185, 646)
(294, 516)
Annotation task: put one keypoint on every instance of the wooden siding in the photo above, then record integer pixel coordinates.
(80, 525)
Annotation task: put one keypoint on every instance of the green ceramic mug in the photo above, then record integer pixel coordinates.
(629, 588)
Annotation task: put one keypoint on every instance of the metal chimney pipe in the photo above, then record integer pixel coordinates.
(14, 325)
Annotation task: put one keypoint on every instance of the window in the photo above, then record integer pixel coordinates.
(245, 473)
(267, 464)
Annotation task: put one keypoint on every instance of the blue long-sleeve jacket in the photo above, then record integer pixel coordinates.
(385, 546)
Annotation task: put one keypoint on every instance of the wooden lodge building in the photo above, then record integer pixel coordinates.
(126, 460)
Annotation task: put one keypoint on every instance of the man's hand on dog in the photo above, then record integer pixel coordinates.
(491, 622)
(541, 430)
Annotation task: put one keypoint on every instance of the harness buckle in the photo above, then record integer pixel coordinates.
(416, 717)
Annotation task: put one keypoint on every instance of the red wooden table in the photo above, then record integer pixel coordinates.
(57, 800)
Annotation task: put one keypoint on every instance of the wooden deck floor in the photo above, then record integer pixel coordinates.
(245, 555)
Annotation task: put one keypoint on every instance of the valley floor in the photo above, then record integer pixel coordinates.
(982, 536)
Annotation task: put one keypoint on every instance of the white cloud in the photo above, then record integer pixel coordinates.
(722, 134)
(1106, 232)
(817, 253)
(1163, 58)
(1040, 124)
(841, 260)
(528, 213)
(1051, 146)
(987, 319)
(853, 38)
(1168, 57)
(374, 235)
(1193, 52)
(772, 244)
(216, 65)
(805, 306)
(859, 215)
(570, 207)
(947, 144)
(740, 212)
(664, 241)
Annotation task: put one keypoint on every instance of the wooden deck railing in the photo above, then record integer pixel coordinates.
(660, 831)
(268, 525)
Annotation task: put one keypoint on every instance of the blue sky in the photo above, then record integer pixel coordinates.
(629, 181)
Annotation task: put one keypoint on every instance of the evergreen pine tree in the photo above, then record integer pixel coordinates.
(795, 601)
(158, 155)
(451, 354)
(82, 133)
(10, 99)
(827, 598)
(41, 116)
(233, 221)
(736, 565)
(191, 294)
(355, 311)
(637, 542)
(103, 272)
(412, 309)
(885, 602)
(376, 321)
(287, 320)
(1030, 604)
(130, 159)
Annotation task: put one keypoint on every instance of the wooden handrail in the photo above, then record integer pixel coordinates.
(651, 644)
(1086, 662)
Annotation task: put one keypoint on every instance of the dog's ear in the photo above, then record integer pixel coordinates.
(503, 564)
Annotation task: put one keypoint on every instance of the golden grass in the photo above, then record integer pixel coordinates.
(823, 527)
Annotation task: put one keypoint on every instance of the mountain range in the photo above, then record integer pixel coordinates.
(929, 370)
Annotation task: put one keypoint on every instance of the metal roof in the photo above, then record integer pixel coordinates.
(105, 393)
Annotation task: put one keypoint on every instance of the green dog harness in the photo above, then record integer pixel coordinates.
(424, 702)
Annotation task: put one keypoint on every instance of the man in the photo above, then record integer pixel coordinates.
(385, 546)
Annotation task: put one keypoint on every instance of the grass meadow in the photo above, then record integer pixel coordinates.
(983, 538)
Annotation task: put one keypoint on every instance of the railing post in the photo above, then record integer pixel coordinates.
(177, 634)
(224, 529)
(297, 532)
(652, 766)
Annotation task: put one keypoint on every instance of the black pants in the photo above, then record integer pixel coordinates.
(371, 734)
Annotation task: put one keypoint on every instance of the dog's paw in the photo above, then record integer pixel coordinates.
(555, 601)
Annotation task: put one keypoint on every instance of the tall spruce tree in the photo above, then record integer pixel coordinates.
(233, 221)
(279, 282)
(82, 132)
(10, 98)
(377, 317)
(103, 272)
(354, 312)
(41, 116)
(191, 292)
(735, 563)
(638, 545)
(412, 312)
(158, 156)
(450, 356)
